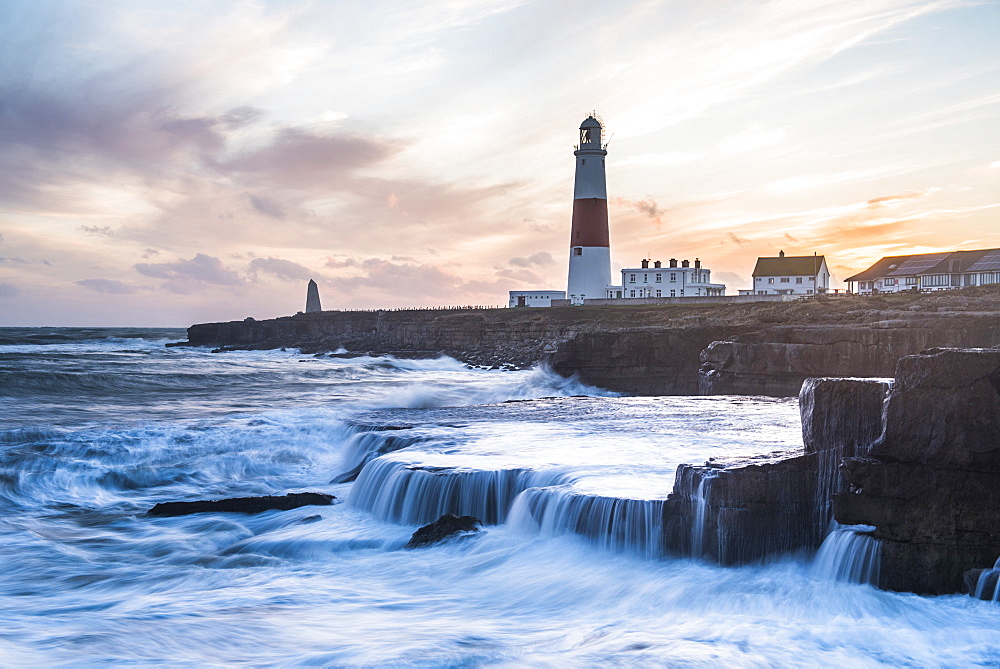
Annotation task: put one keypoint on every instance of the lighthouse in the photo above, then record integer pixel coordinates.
(589, 244)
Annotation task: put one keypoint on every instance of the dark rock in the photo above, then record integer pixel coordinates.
(750, 510)
(841, 414)
(931, 483)
(446, 527)
(243, 504)
(776, 361)
(653, 349)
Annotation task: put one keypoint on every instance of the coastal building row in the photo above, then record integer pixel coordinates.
(928, 272)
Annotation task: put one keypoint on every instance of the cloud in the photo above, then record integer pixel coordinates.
(96, 230)
(338, 263)
(790, 238)
(300, 158)
(897, 198)
(405, 279)
(267, 206)
(285, 270)
(647, 208)
(9, 290)
(739, 241)
(149, 253)
(111, 286)
(540, 258)
(182, 276)
(14, 261)
(523, 276)
(732, 280)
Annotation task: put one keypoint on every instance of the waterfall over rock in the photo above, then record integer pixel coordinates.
(851, 554)
(404, 493)
(622, 525)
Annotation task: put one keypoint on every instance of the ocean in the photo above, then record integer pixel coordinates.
(97, 425)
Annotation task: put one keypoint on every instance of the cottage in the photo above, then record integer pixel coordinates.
(927, 272)
(790, 275)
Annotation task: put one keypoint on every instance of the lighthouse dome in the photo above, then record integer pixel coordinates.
(590, 122)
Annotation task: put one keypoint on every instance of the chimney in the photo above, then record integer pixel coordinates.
(645, 264)
(781, 254)
(673, 262)
(657, 264)
(697, 264)
(685, 263)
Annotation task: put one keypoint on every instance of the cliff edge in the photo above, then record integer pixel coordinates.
(756, 348)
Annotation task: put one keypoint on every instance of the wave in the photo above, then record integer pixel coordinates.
(59, 336)
(486, 387)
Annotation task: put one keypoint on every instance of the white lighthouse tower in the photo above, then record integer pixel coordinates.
(590, 243)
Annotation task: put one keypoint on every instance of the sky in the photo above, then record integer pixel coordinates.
(167, 163)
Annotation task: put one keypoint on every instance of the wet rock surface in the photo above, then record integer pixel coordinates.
(749, 510)
(765, 349)
(446, 527)
(744, 511)
(243, 504)
(931, 484)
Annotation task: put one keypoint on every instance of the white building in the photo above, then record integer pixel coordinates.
(790, 275)
(928, 272)
(535, 298)
(686, 280)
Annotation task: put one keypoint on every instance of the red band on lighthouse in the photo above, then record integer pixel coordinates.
(590, 223)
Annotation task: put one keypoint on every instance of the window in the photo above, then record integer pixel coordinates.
(762, 292)
(888, 282)
(673, 277)
(631, 293)
(771, 280)
(910, 281)
(583, 161)
(659, 278)
(631, 279)
(809, 291)
(935, 280)
(673, 293)
(659, 293)
(812, 278)
(577, 251)
(758, 279)
(798, 279)
(645, 277)
(784, 279)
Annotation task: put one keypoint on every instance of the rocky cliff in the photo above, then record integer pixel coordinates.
(761, 348)
(740, 511)
(931, 483)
